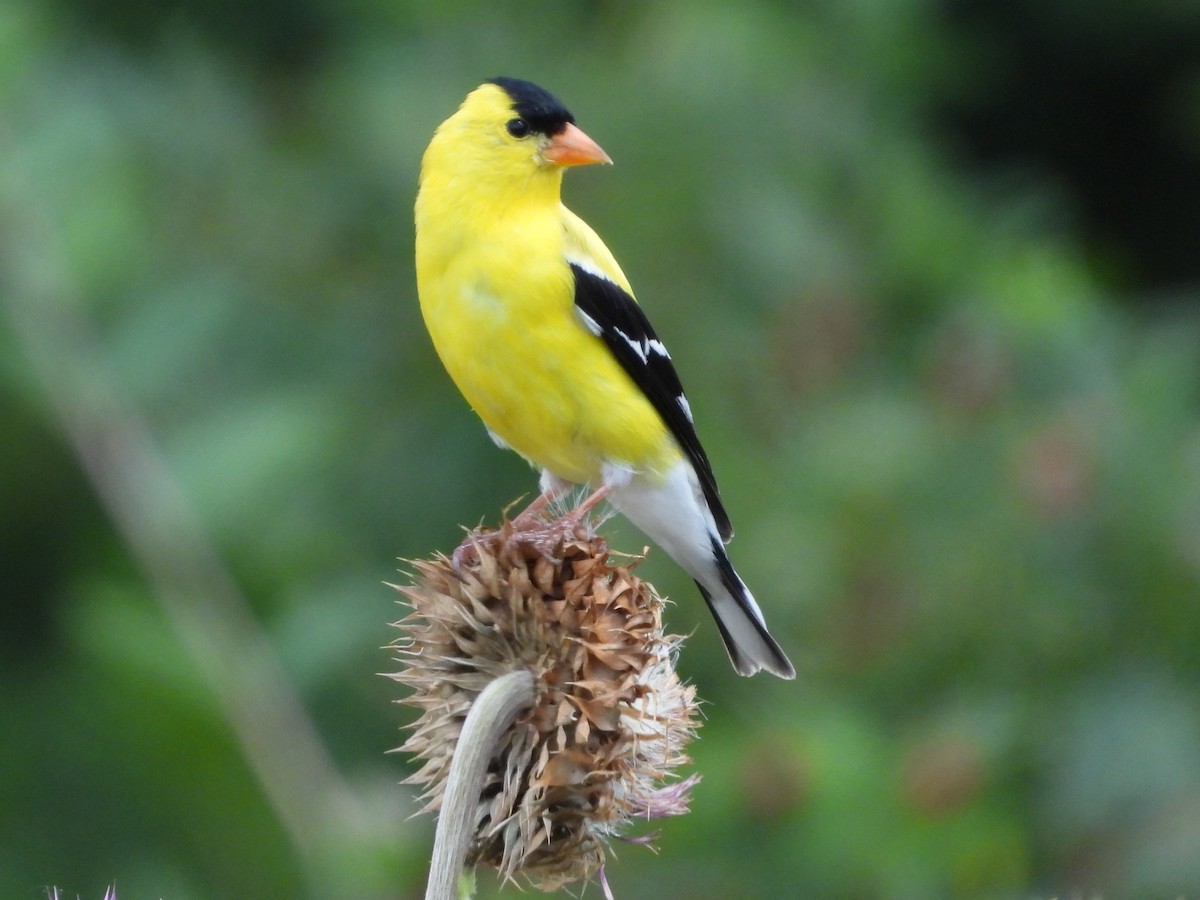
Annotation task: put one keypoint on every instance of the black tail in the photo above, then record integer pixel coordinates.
(747, 641)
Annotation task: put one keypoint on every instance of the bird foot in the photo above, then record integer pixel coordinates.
(534, 527)
(466, 554)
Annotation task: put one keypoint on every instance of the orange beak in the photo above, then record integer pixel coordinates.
(571, 147)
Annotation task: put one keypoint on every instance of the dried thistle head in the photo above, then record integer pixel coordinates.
(600, 745)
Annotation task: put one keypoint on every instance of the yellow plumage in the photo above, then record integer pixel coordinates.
(537, 325)
(497, 295)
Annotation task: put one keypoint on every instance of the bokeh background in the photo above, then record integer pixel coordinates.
(929, 269)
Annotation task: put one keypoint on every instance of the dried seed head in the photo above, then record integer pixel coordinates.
(611, 720)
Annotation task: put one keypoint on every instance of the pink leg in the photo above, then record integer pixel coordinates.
(569, 523)
(529, 524)
(590, 502)
(527, 518)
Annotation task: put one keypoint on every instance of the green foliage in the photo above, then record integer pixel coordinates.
(966, 481)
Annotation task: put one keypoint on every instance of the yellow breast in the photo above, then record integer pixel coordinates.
(497, 296)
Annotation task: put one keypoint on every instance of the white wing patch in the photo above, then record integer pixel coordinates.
(685, 406)
(644, 347)
(588, 265)
(588, 322)
(609, 311)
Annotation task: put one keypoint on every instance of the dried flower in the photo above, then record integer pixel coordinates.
(601, 741)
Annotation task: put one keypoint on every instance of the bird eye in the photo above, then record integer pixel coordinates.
(518, 128)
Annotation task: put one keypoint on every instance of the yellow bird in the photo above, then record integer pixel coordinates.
(537, 325)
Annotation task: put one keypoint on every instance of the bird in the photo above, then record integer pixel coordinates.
(538, 328)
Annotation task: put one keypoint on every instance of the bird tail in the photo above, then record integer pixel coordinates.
(672, 512)
(747, 641)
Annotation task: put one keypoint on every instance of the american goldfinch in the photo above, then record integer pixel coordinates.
(537, 326)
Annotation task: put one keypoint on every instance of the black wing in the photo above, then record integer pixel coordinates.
(612, 315)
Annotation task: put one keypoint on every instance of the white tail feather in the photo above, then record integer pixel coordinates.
(672, 512)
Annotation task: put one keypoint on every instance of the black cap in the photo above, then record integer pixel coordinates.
(537, 106)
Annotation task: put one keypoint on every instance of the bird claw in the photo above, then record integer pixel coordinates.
(532, 526)
(466, 554)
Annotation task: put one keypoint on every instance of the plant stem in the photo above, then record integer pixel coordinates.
(493, 711)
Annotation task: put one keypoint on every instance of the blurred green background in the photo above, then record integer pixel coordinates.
(929, 271)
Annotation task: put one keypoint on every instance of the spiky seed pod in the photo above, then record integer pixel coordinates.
(599, 747)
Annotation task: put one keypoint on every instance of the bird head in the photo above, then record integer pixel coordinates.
(518, 126)
(535, 117)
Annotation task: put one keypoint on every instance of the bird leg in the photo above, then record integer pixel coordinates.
(527, 517)
(467, 552)
(548, 536)
(569, 523)
(529, 522)
(590, 502)
(548, 533)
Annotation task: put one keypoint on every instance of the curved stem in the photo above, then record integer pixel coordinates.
(493, 711)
